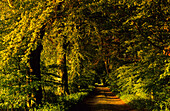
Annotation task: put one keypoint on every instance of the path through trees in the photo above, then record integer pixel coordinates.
(54, 51)
(102, 99)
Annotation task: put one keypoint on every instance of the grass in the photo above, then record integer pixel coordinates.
(63, 103)
(143, 102)
(52, 101)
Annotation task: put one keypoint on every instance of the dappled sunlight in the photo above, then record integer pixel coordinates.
(95, 55)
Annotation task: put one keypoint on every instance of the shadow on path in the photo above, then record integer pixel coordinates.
(101, 99)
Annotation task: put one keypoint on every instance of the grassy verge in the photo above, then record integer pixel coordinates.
(64, 103)
(142, 101)
(52, 101)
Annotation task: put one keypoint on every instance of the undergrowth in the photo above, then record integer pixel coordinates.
(63, 103)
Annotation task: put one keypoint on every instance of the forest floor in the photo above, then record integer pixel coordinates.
(102, 99)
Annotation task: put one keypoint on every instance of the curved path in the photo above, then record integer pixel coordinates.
(102, 99)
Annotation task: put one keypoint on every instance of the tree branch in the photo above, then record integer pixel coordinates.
(141, 32)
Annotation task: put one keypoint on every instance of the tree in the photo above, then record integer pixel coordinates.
(30, 21)
(144, 37)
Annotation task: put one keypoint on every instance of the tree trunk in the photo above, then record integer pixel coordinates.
(65, 76)
(35, 72)
(64, 68)
(35, 69)
(106, 62)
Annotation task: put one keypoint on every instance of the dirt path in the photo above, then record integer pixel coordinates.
(102, 99)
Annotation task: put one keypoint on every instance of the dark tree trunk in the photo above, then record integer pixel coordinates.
(65, 76)
(35, 73)
(64, 69)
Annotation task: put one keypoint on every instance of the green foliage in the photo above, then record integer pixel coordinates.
(123, 42)
(63, 103)
(141, 82)
(142, 77)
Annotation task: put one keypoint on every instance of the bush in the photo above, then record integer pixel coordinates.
(63, 103)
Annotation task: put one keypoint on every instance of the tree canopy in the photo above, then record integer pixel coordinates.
(63, 46)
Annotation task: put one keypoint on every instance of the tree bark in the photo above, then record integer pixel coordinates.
(106, 62)
(35, 69)
(65, 76)
(35, 72)
(64, 68)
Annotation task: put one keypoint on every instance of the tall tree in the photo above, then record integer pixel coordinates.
(29, 22)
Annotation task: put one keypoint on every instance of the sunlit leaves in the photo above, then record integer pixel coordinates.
(129, 32)
(145, 43)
